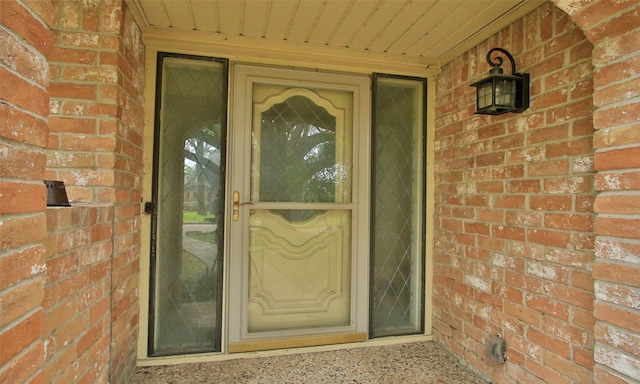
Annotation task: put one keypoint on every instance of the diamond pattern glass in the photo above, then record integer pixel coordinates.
(187, 278)
(397, 233)
(297, 159)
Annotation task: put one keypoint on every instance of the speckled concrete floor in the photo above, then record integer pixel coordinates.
(411, 363)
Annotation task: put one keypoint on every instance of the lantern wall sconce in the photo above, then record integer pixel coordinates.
(500, 93)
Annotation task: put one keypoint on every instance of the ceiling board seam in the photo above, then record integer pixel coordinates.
(243, 7)
(294, 11)
(323, 7)
(427, 34)
(493, 20)
(386, 26)
(217, 18)
(339, 23)
(365, 22)
(191, 13)
(166, 13)
(416, 22)
(267, 17)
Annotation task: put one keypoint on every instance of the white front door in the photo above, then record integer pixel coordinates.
(298, 216)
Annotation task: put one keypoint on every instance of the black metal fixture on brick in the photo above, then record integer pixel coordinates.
(500, 93)
(56, 194)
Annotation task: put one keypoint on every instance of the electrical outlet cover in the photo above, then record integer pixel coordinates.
(495, 349)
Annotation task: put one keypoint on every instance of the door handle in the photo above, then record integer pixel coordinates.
(237, 204)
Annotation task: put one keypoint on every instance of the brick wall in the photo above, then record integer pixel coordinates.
(77, 295)
(25, 41)
(614, 30)
(95, 143)
(71, 109)
(514, 245)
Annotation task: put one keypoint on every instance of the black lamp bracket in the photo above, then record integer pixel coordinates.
(497, 61)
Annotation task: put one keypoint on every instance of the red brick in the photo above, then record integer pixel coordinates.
(490, 159)
(90, 74)
(24, 365)
(617, 136)
(624, 204)
(61, 266)
(618, 338)
(575, 297)
(506, 232)
(29, 64)
(507, 292)
(550, 99)
(617, 227)
(70, 55)
(574, 147)
(548, 168)
(548, 341)
(73, 91)
(20, 126)
(575, 222)
(20, 335)
(18, 91)
(551, 202)
(585, 204)
(86, 143)
(605, 377)
(22, 163)
(479, 228)
(617, 158)
(615, 116)
(616, 71)
(509, 201)
(491, 131)
(21, 264)
(523, 186)
(15, 17)
(577, 184)
(21, 299)
(616, 93)
(13, 235)
(605, 181)
(548, 307)
(583, 357)
(548, 237)
(549, 134)
(522, 218)
(617, 316)
(567, 368)
(582, 280)
(528, 316)
(617, 273)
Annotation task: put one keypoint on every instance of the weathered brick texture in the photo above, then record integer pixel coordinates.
(536, 214)
(71, 110)
(514, 244)
(76, 294)
(614, 30)
(25, 41)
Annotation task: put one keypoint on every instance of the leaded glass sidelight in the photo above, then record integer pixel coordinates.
(188, 190)
(397, 288)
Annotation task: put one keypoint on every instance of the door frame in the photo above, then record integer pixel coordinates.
(239, 157)
(235, 55)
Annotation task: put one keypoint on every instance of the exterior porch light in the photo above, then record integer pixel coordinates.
(500, 93)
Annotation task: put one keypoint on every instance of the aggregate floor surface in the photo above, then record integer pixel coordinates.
(411, 363)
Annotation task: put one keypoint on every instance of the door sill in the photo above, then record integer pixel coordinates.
(298, 342)
(221, 356)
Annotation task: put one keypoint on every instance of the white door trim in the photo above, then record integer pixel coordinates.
(242, 79)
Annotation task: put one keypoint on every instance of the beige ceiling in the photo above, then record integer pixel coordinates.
(431, 32)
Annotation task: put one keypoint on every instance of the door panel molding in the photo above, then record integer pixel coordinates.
(243, 256)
